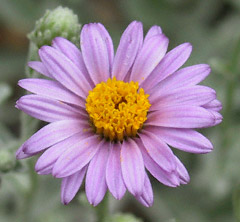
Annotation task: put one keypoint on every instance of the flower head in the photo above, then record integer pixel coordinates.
(113, 118)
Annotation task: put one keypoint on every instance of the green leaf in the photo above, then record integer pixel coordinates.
(5, 92)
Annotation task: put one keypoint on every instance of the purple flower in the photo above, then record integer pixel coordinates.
(113, 117)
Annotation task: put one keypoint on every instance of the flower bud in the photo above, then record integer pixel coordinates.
(58, 22)
(7, 160)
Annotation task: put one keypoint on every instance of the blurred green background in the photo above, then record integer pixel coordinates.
(213, 28)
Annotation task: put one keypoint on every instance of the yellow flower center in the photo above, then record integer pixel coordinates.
(117, 109)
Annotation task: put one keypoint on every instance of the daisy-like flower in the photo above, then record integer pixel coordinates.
(113, 117)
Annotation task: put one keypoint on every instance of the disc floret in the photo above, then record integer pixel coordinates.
(117, 109)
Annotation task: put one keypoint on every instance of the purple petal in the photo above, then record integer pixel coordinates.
(96, 186)
(39, 67)
(192, 95)
(51, 155)
(21, 155)
(168, 179)
(70, 185)
(154, 30)
(148, 58)
(51, 89)
(46, 171)
(64, 71)
(181, 117)
(129, 45)
(214, 105)
(147, 196)
(97, 49)
(188, 76)
(114, 173)
(47, 109)
(52, 134)
(187, 140)
(108, 41)
(182, 171)
(76, 157)
(73, 53)
(158, 151)
(132, 167)
(171, 62)
(218, 117)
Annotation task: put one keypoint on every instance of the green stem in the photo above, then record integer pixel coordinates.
(28, 127)
(229, 98)
(102, 210)
(32, 56)
(29, 198)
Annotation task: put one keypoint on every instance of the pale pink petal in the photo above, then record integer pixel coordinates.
(52, 134)
(154, 30)
(51, 89)
(148, 58)
(218, 117)
(109, 44)
(184, 77)
(51, 155)
(132, 167)
(64, 71)
(166, 178)
(181, 117)
(96, 185)
(47, 109)
(187, 140)
(130, 43)
(191, 95)
(73, 53)
(71, 184)
(95, 45)
(214, 105)
(46, 171)
(182, 171)
(171, 62)
(158, 151)
(76, 157)
(21, 155)
(39, 67)
(114, 173)
(147, 196)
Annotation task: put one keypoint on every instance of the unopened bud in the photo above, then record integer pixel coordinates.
(7, 160)
(58, 22)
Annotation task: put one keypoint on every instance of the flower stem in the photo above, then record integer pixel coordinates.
(28, 127)
(102, 210)
(229, 97)
(29, 198)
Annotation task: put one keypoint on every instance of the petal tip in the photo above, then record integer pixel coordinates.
(188, 45)
(57, 39)
(43, 50)
(31, 63)
(55, 173)
(19, 153)
(65, 200)
(37, 167)
(20, 82)
(16, 105)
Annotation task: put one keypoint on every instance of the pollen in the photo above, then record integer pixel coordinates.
(117, 109)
